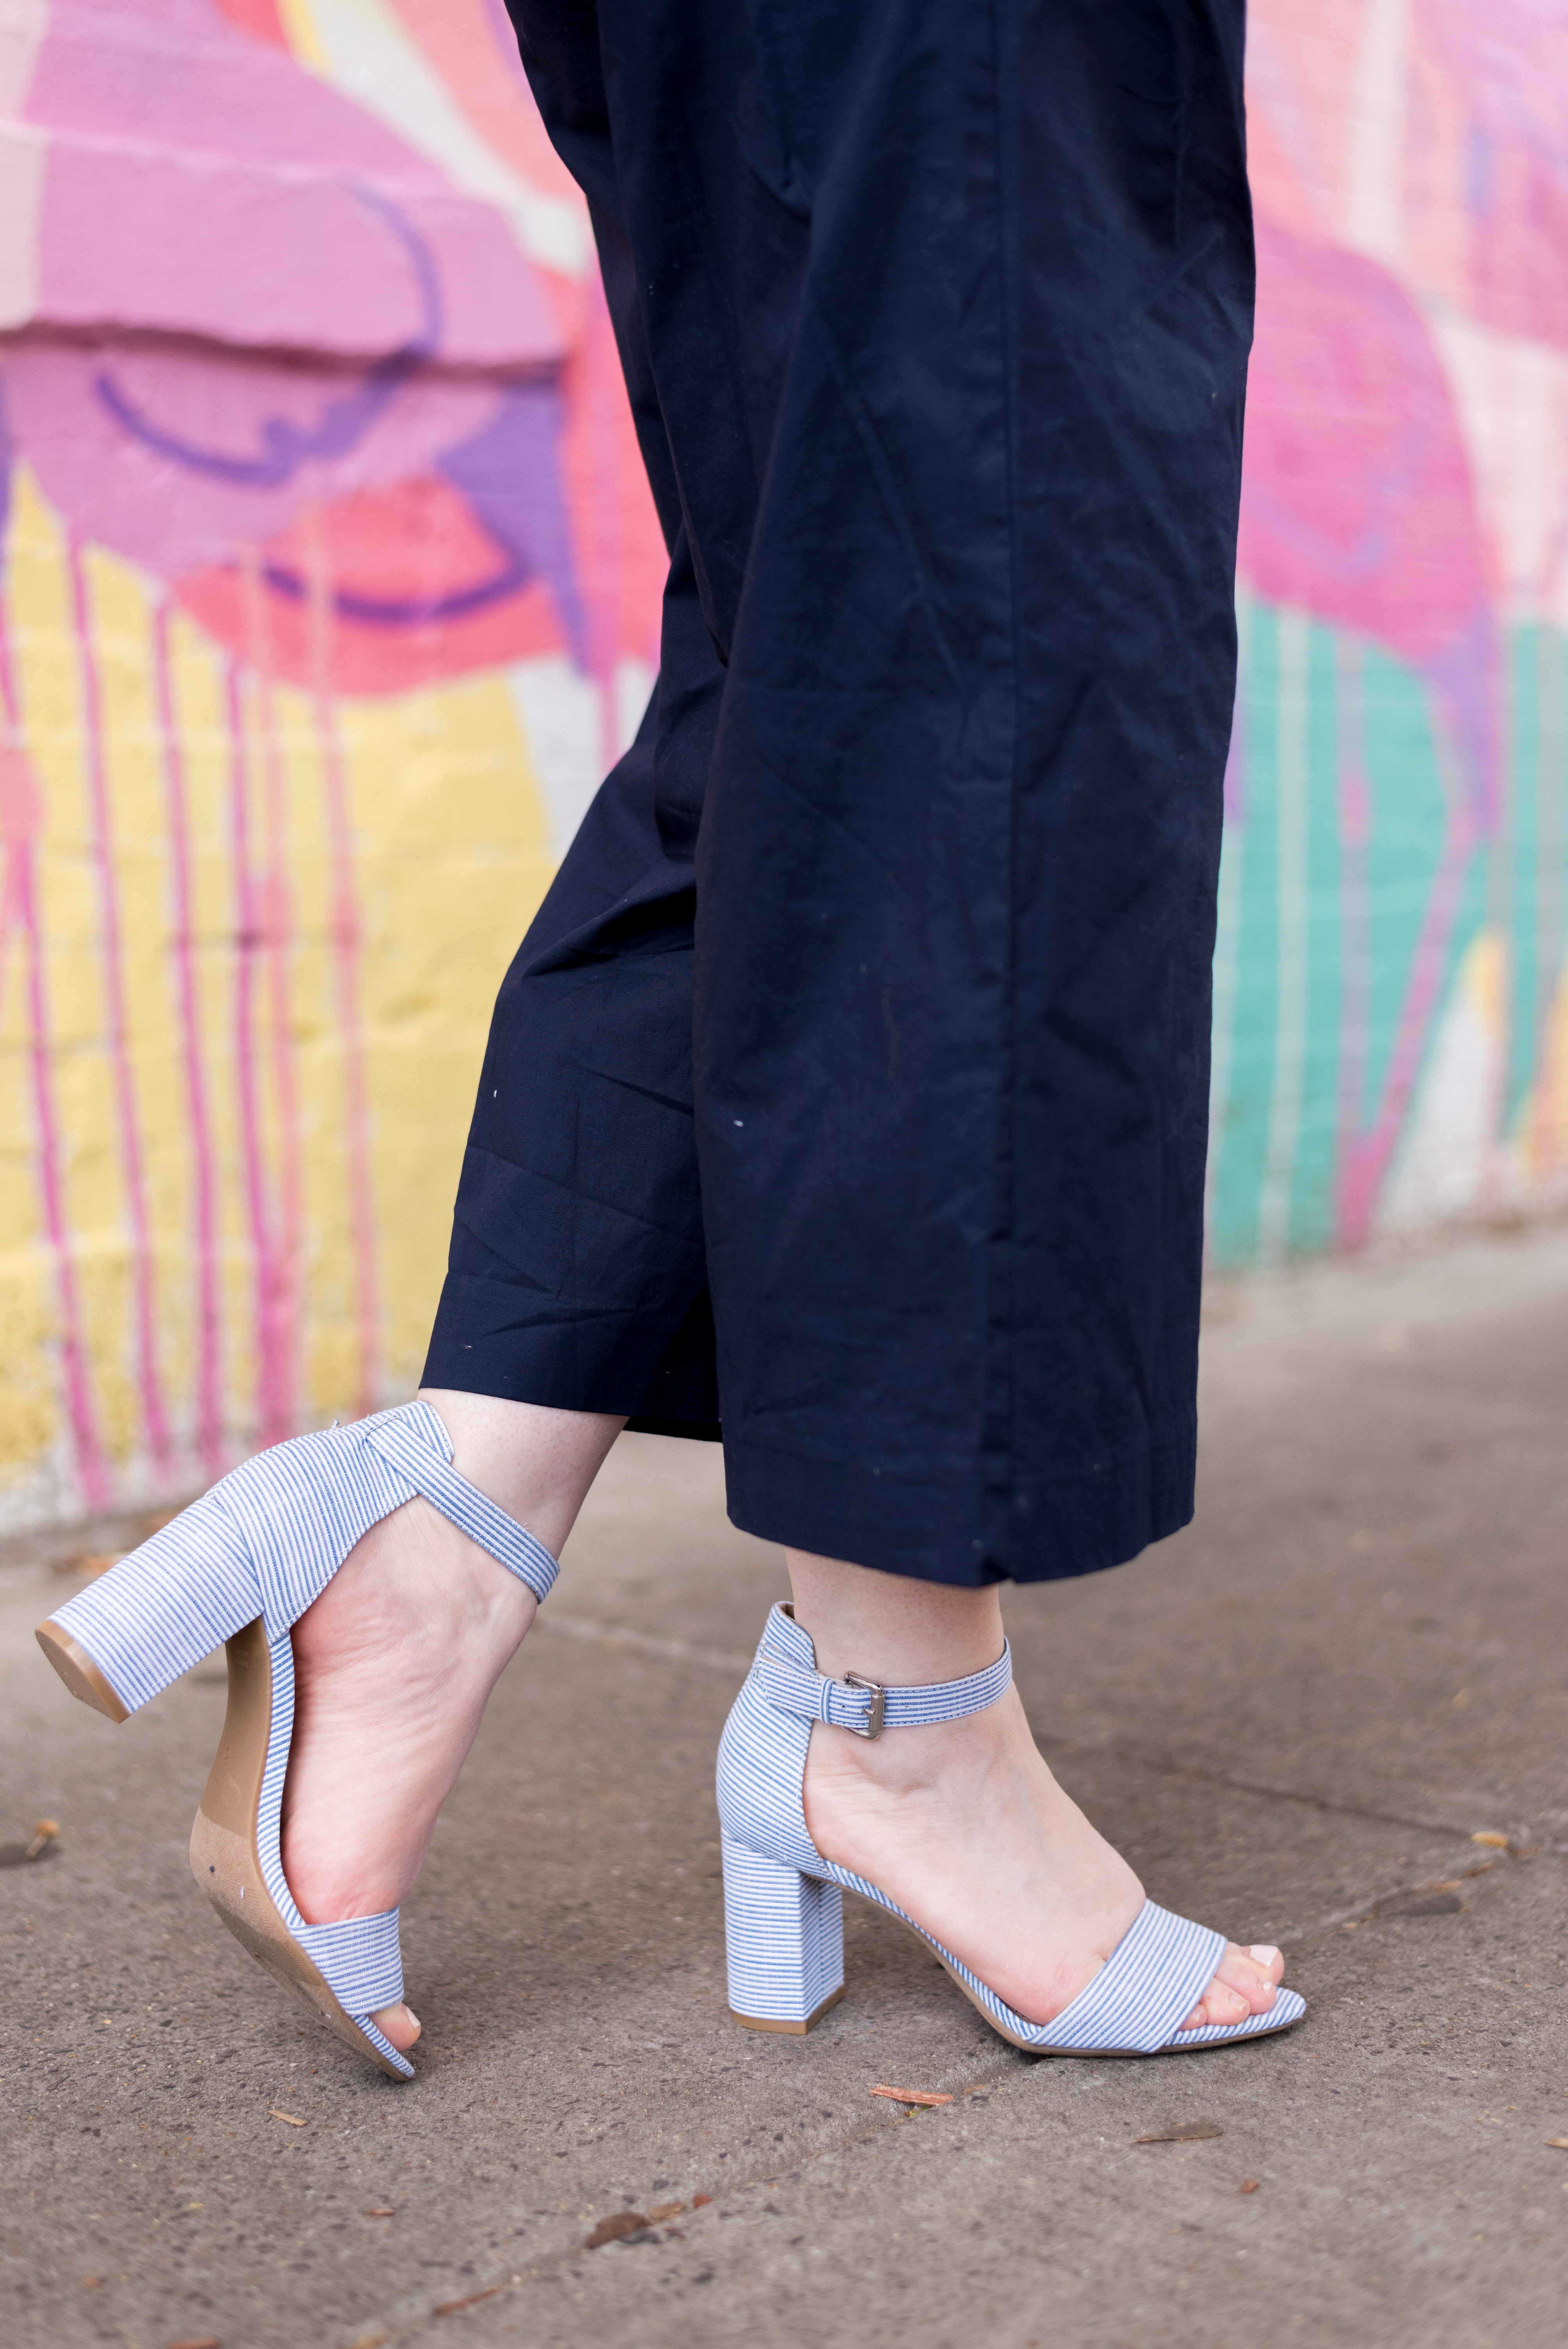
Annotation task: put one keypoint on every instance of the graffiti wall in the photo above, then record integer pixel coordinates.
(329, 586)
(1390, 1029)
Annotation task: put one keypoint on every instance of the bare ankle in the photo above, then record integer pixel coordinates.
(892, 1627)
(534, 1462)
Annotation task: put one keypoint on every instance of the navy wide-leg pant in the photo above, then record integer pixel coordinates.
(850, 1087)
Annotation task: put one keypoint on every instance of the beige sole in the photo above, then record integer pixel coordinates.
(790, 2030)
(223, 1839)
(79, 1672)
(223, 1845)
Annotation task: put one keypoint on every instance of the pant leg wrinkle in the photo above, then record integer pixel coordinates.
(935, 325)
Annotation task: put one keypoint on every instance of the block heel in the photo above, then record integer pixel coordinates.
(784, 1942)
(134, 1631)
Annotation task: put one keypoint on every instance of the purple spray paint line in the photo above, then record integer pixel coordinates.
(247, 947)
(346, 947)
(209, 1327)
(21, 827)
(143, 1282)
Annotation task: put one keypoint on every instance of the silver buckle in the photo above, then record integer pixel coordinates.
(877, 1707)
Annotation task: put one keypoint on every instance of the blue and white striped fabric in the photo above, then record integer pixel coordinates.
(788, 1684)
(783, 1935)
(785, 1955)
(414, 1439)
(359, 1959)
(265, 1542)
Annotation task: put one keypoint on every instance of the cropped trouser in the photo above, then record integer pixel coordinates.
(850, 1089)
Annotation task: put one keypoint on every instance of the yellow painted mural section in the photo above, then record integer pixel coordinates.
(329, 590)
(450, 855)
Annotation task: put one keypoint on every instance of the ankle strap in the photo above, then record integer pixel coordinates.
(868, 1707)
(414, 1439)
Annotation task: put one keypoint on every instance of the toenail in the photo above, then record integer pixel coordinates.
(1263, 1953)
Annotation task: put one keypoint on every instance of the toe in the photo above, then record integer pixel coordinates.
(1250, 1977)
(1256, 1973)
(400, 2024)
(1246, 1984)
(1218, 2003)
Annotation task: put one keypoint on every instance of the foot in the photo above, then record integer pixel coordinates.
(965, 1826)
(393, 1666)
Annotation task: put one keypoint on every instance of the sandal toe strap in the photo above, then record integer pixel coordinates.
(359, 1961)
(383, 2046)
(1147, 1987)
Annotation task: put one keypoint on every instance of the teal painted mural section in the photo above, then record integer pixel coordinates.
(1391, 1050)
(1359, 877)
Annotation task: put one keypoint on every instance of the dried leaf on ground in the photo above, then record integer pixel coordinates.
(1493, 1842)
(292, 2119)
(471, 2300)
(619, 2223)
(700, 2201)
(1560, 2142)
(386, 2212)
(1250, 2185)
(1181, 2133)
(913, 2096)
(662, 2211)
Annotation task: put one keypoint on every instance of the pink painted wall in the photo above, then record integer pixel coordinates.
(303, 337)
(1390, 1025)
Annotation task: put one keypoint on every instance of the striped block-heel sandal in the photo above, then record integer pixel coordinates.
(783, 1902)
(240, 1566)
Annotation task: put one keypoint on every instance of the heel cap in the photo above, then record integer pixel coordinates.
(793, 2029)
(79, 1672)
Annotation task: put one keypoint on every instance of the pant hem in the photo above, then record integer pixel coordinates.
(1058, 1528)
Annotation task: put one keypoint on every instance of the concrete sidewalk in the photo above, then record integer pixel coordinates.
(1295, 1719)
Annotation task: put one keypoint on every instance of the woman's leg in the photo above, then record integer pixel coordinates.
(957, 852)
(575, 1279)
(962, 1823)
(956, 866)
(417, 1610)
